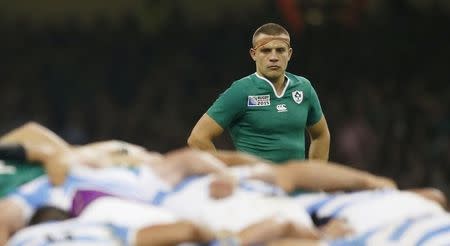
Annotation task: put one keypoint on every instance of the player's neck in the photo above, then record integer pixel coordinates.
(279, 83)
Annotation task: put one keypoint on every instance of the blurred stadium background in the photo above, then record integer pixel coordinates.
(145, 70)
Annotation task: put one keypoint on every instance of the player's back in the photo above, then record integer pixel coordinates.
(251, 202)
(425, 230)
(130, 183)
(68, 233)
(368, 209)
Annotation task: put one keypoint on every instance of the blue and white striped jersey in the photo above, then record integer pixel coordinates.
(105, 221)
(251, 202)
(137, 183)
(431, 230)
(68, 233)
(367, 209)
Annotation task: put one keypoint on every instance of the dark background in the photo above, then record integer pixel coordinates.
(144, 71)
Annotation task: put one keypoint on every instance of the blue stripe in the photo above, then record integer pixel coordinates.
(432, 234)
(38, 196)
(185, 183)
(71, 182)
(264, 188)
(402, 228)
(162, 195)
(246, 186)
(356, 200)
(159, 197)
(121, 232)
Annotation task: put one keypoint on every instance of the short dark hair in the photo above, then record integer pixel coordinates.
(272, 29)
(48, 213)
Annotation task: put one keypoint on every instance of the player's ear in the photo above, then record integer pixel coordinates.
(253, 54)
(290, 52)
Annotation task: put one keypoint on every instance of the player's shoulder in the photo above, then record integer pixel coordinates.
(245, 81)
(245, 84)
(298, 80)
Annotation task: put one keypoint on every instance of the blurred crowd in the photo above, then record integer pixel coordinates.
(383, 84)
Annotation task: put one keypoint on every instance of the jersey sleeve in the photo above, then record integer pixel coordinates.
(229, 106)
(12, 152)
(315, 110)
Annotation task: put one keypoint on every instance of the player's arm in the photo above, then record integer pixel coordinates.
(204, 132)
(42, 145)
(114, 147)
(44, 155)
(32, 135)
(310, 175)
(274, 228)
(317, 128)
(237, 158)
(320, 140)
(320, 175)
(188, 162)
(198, 162)
(11, 219)
(173, 234)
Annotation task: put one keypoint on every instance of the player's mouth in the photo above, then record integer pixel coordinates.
(274, 67)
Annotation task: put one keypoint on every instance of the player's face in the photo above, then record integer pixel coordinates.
(272, 57)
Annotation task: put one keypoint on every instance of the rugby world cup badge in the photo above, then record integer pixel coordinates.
(297, 96)
(258, 101)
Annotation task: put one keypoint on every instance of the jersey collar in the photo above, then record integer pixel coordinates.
(273, 87)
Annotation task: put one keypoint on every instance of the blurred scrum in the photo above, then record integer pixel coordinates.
(145, 70)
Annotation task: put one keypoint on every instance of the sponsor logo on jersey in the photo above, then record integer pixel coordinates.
(258, 101)
(297, 96)
(282, 108)
(5, 169)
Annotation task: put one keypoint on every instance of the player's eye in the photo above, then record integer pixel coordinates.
(281, 50)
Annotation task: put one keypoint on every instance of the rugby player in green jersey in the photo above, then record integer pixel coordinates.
(267, 112)
(26, 154)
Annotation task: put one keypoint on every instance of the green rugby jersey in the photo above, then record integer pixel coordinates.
(265, 124)
(16, 173)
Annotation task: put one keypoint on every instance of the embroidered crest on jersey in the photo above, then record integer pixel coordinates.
(297, 96)
(281, 108)
(258, 101)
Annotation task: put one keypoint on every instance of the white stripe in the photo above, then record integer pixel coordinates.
(422, 227)
(414, 232)
(352, 199)
(273, 87)
(385, 209)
